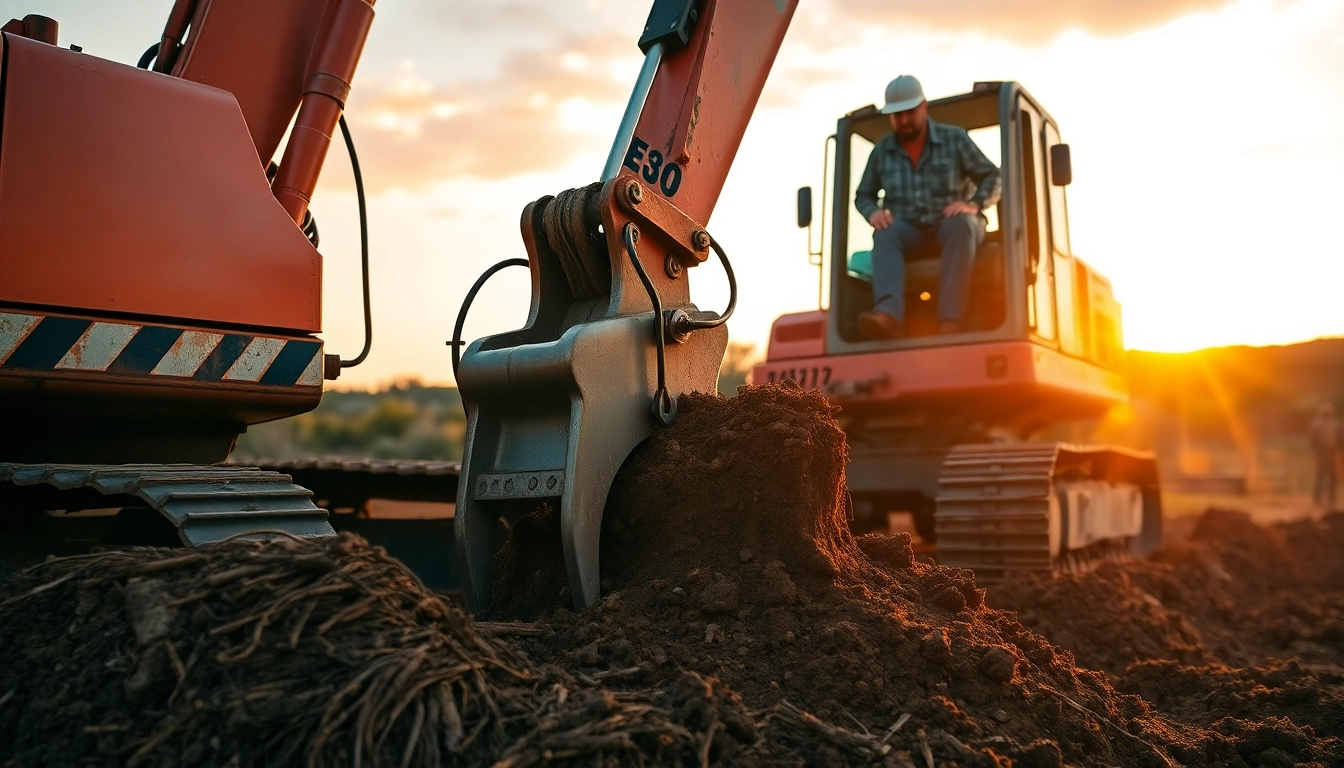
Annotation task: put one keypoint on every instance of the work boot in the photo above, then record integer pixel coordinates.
(949, 326)
(880, 325)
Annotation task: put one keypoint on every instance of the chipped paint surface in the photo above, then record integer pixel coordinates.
(98, 347)
(187, 353)
(13, 329)
(312, 375)
(76, 345)
(258, 356)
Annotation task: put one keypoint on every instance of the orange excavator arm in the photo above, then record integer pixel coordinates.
(613, 338)
(276, 57)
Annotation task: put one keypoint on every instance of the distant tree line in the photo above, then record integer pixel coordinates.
(407, 420)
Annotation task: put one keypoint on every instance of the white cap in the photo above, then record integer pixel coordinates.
(903, 93)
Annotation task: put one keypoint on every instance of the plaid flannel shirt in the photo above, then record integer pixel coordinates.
(951, 168)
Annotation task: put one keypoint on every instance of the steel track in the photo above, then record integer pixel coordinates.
(997, 510)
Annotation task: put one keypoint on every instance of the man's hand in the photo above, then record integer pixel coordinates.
(960, 207)
(881, 219)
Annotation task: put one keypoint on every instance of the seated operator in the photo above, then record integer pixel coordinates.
(937, 182)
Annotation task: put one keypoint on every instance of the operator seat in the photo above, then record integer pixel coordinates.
(985, 308)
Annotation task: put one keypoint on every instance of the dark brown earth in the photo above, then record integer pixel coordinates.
(741, 624)
(1240, 628)
(289, 653)
(732, 558)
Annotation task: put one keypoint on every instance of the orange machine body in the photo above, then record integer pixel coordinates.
(155, 296)
(266, 75)
(140, 194)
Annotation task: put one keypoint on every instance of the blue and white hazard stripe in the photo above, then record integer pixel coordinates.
(56, 343)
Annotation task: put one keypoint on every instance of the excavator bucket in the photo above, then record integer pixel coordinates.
(613, 338)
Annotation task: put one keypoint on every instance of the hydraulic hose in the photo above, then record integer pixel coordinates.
(363, 246)
(148, 56)
(683, 324)
(664, 409)
(456, 343)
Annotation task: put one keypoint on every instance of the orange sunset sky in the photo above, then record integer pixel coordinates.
(1207, 135)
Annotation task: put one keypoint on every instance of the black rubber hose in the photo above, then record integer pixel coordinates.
(309, 227)
(148, 56)
(363, 246)
(688, 324)
(456, 343)
(664, 409)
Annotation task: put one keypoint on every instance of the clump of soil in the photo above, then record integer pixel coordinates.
(726, 551)
(324, 653)
(1235, 593)
(1106, 619)
(1240, 629)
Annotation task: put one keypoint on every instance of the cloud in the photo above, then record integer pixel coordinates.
(412, 131)
(1026, 21)
(534, 19)
(533, 112)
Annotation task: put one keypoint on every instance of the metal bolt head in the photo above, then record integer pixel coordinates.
(634, 193)
(672, 266)
(700, 240)
(676, 326)
(331, 367)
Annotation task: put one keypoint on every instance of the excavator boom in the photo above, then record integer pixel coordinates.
(612, 338)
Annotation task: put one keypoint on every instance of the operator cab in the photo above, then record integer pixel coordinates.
(1025, 282)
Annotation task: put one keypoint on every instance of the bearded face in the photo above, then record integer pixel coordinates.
(910, 124)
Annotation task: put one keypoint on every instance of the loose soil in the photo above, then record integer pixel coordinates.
(727, 552)
(741, 624)
(324, 653)
(1239, 627)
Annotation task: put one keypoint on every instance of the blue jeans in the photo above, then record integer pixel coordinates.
(958, 237)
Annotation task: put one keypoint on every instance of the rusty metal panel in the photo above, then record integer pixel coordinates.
(132, 192)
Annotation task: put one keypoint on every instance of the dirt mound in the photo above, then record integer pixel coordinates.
(1239, 630)
(726, 551)
(741, 624)
(298, 652)
(1104, 618)
(1235, 594)
(1288, 696)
